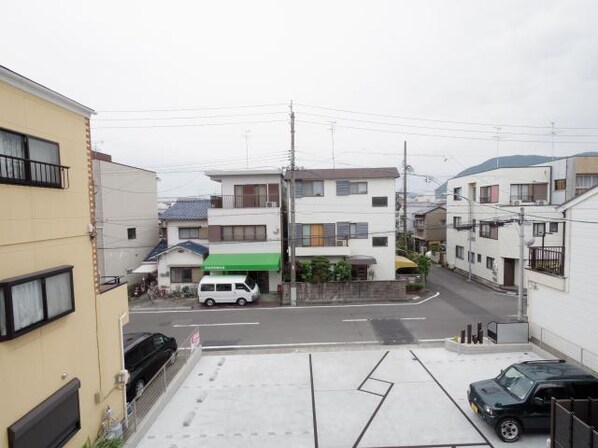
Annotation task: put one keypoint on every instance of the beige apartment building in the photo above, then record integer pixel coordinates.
(60, 330)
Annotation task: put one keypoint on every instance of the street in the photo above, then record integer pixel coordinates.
(452, 304)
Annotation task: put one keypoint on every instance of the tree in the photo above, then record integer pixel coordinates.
(423, 264)
(305, 272)
(320, 270)
(342, 271)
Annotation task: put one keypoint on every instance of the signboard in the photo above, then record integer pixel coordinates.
(195, 341)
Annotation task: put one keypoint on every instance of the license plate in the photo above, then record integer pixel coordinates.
(474, 407)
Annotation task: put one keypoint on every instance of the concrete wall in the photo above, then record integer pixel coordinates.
(331, 208)
(347, 292)
(126, 197)
(42, 228)
(565, 318)
(172, 232)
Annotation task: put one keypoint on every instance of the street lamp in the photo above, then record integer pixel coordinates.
(470, 236)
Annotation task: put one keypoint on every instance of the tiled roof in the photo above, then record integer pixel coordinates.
(187, 210)
(344, 173)
(162, 248)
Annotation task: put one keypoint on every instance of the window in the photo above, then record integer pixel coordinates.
(188, 233)
(539, 229)
(489, 194)
(489, 262)
(488, 230)
(379, 201)
(30, 161)
(313, 188)
(479, 258)
(456, 221)
(224, 287)
(379, 241)
(584, 182)
(33, 300)
(560, 184)
(181, 275)
(248, 196)
(344, 187)
(132, 233)
(457, 194)
(241, 287)
(243, 233)
(554, 227)
(459, 251)
(207, 287)
(529, 192)
(358, 187)
(472, 192)
(471, 256)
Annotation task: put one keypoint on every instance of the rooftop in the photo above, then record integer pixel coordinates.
(344, 173)
(187, 210)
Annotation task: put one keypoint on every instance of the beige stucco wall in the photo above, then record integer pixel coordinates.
(42, 228)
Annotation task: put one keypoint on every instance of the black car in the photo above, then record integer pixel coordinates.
(519, 398)
(145, 354)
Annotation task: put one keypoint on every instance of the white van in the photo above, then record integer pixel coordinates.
(238, 289)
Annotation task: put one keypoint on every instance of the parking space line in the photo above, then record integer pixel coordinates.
(415, 357)
(224, 324)
(313, 402)
(292, 344)
(384, 318)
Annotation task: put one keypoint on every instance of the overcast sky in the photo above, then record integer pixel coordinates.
(178, 85)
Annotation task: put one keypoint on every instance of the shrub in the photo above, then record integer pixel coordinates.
(320, 270)
(342, 271)
(413, 287)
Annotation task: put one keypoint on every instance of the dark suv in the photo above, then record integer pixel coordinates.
(519, 398)
(145, 354)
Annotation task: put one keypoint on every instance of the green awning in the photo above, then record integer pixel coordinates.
(242, 262)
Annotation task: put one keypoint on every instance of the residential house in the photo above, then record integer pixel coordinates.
(429, 227)
(61, 350)
(245, 226)
(177, 259)
(126, 216)
(483, 208)
(347, 214)
(562, 284)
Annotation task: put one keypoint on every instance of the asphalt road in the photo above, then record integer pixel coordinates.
(443, 315)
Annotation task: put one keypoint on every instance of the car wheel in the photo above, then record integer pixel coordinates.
(139, 388)
(172, 359)
(241, 301)
(508, 429)
(210, 302)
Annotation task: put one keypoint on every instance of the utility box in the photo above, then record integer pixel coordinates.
(508, 332)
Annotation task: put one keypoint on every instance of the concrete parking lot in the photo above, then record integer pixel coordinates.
(401, 397)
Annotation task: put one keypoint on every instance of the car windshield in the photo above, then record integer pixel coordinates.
(250, 282)
(515, 382)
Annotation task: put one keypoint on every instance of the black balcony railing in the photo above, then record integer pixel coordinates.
(15, 170)
(550, 259)
(245, 201)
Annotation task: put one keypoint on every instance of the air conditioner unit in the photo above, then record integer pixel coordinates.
(517, 202)
(271, 204)
(341, 243)
(541, 202)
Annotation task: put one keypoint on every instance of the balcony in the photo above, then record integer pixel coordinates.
(244, 201)
(16, 170)
(316, 246)
(529, 199)
(547, 259)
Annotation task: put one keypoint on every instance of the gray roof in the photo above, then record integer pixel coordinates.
(344, 173)
(187, 210)
(429, 209)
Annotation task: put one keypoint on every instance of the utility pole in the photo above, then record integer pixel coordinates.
(246, 135)
(521, 260)
(405, 194)
(552, 140)
(332, 123)
(293, 233)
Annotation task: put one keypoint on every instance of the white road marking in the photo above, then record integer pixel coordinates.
(297, 344)
(431, 340)
(225, 324)
(277, 308)
(395, 318)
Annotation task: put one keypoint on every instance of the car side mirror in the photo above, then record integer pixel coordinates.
(538, 401)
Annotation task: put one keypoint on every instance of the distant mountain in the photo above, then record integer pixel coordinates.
(505, 162)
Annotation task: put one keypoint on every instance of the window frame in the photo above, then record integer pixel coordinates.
(181, 268)
(488, 230)
(553, 227)
(312, 184)
(9, 317)
(490, 263)
(560, 184)
(383, 240)
(460, 252)
(58, 172)
(188, 229)
(457, 193)
(536, 229)
(379, 201)
(486, 196)
(132, 233)
(260, 233)
(354, 187)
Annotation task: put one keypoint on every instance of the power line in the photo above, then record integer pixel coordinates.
(179, 109)
(189, 117)
(190, 125)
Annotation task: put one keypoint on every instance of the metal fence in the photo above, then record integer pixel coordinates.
(549, 259)
(573, 423)
(140, 407)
